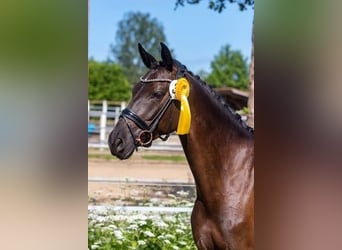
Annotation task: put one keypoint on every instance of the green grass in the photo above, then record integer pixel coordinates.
(173, 158)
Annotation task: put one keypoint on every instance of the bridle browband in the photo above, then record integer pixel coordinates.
(145, 137)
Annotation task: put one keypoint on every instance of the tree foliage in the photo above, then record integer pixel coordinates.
(219, 5)
(107, 82)
(133, 28)
(229, 68)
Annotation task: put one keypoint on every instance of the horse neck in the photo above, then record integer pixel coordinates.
(210, 115)
(214, 141)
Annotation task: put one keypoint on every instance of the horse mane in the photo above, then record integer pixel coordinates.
(223, 102)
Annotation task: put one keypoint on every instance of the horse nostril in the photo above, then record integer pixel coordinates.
(119, 145)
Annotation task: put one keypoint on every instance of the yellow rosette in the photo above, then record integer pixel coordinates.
(182, 92)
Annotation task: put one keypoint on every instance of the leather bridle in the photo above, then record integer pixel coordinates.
(145, 137)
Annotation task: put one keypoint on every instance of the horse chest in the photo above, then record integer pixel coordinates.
(218, 228)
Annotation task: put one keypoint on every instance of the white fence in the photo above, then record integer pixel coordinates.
(103, 115)
(108, 115)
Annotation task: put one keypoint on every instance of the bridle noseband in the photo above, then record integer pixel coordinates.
(145, 137)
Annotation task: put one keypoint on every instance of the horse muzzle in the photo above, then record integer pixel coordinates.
(120, 142)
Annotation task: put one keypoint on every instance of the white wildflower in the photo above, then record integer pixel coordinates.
(130, 219)
(141, 222)
(96, 244)
(112, 226)
(170, 218)
(141, 243)
(182, 243)
(118, 234)
(99, 225)
(161, 237)
(160, 224)
(182, 226)
(100, 218)
(141, 217)
(149, 234)
(133, 227)
(169, 236)
(118, 217)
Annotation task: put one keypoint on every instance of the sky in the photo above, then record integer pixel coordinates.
(194, 32)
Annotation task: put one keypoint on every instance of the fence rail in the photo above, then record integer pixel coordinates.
(108, 113)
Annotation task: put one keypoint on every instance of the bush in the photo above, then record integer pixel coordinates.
(107, 82)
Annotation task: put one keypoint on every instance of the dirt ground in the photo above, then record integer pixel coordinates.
(134, 168)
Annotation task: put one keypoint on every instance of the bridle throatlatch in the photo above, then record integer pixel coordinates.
(178, 90)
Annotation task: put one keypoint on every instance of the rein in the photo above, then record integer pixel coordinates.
(145, 137)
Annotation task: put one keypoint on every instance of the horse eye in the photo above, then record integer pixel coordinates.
(158, 95)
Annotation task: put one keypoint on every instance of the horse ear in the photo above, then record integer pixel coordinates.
(166, 56)
(147, 58)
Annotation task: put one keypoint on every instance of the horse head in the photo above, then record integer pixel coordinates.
(151, 113)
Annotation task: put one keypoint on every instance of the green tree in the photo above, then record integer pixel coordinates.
(219, 5)
(133, 28)
(107, 82)
(229, 68)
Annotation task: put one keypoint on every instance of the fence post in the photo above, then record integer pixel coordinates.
(103, 122)
(123, 105)
(117, 112)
